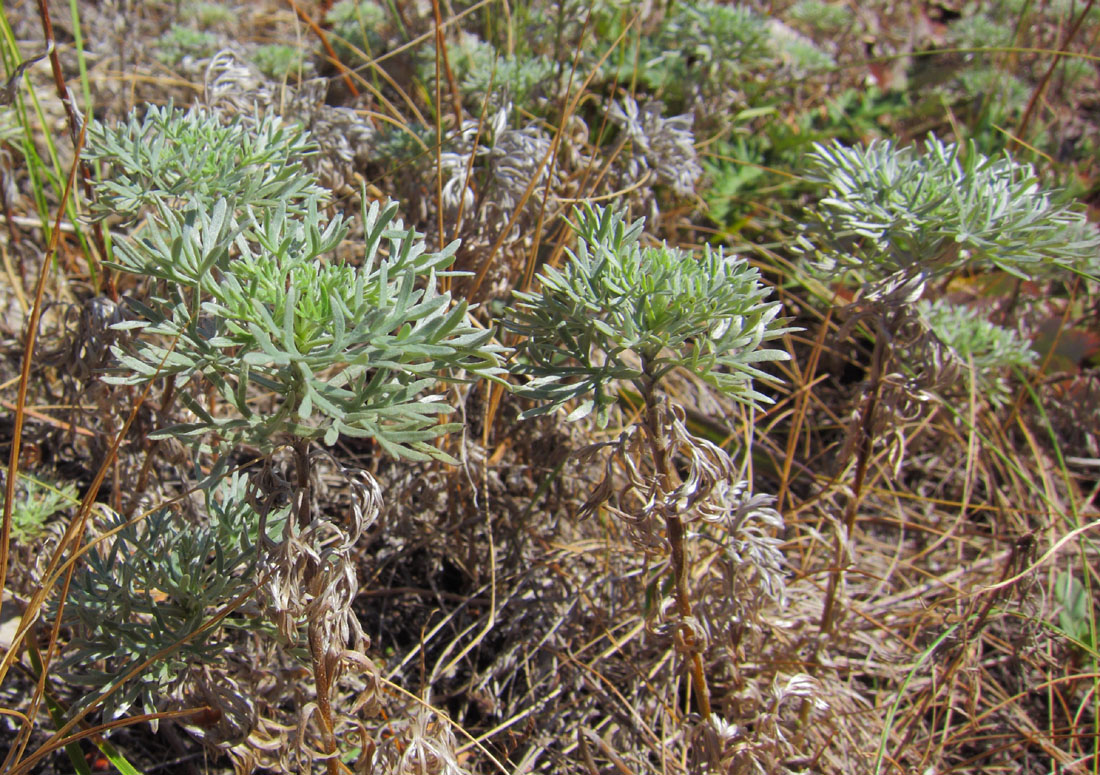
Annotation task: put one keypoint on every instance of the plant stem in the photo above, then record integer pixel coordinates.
(321, 676)
(863, 459)
(678, 555)
(302, 490)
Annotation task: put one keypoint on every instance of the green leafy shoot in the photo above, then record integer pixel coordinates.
(620, 311)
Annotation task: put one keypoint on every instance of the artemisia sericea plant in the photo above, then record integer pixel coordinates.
(268, 340)
(900, 219)
(619, 314)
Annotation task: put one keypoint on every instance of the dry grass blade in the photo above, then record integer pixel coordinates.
(21, 400)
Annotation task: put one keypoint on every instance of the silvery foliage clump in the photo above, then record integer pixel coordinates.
(984, 349)
(176, 159)
(696, 51)
(665, 145)
(142, 595)
(620, 312)
(247, 300)
(900, 218)
(714, 36)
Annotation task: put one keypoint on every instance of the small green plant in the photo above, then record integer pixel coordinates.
(822, 17)
(360, 25)
(1076, 617)
(983, 348)
(1004, 94)
(277, 59)
(208, 15)
(696, 46)
(980, 30)
(182, 41)
(733, 171)
(1074, 72)
(799, 54)
(485, 75)
(35, 503)
(618, 312)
